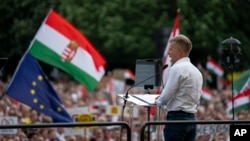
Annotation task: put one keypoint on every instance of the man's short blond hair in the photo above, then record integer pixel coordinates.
(183, 42)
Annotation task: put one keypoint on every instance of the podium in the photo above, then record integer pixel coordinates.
(140, 99)
(146, 100)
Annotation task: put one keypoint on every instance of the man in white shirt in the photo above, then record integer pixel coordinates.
(181, 92)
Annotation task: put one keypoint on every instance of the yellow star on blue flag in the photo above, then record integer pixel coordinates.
(30, 86)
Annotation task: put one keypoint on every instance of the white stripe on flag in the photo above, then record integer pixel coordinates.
(238, 102)
(57, 42)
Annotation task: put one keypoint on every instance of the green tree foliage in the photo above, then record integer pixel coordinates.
(19, 23)
(208, 23)
(123, 31)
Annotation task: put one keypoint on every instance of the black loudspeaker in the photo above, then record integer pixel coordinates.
(148, 73)
(231, 52)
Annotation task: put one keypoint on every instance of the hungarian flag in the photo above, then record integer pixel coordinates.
(174, 32)
(214, 67)
(239, 102)
(61, 45)
(113, 87)
(242, 82)
(206, 94)
(241, 92)
(128, 74)
(110, 93)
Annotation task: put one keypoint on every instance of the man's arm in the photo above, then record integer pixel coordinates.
(170, 88)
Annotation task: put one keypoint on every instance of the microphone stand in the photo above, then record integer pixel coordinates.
(126, 96)
(146, 88)
(123, 108)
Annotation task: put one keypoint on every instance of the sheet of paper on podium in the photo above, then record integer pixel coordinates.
(141, 99)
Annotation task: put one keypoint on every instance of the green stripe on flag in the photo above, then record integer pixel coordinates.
(241, 81)
(108, 97)
(43, 53)
(239, 108)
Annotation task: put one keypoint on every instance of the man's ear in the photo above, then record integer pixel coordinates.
(180, 51)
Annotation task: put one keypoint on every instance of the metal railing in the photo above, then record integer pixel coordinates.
(123, 124)
(148, 123)
(86, 124)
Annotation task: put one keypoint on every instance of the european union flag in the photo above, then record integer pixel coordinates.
(30, 86)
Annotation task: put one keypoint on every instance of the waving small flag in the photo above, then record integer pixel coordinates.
(241, 101)
(214, 67)
(128, 74)
(242, 82)
(206, 94)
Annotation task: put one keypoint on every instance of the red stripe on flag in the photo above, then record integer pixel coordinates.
(212, 61)
(174, 32)
(83, 91)
(176, 23)
(57, 22)
(246, 92)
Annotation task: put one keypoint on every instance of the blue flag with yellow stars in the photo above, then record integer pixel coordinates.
(30, 86)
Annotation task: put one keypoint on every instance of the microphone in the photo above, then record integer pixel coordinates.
(154, 75)
(164, 67)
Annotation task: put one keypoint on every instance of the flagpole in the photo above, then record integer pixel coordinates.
(232, 88)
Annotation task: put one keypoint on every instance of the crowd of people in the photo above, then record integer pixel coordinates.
(72, 96)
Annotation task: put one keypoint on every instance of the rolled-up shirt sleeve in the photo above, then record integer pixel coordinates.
(170, 88)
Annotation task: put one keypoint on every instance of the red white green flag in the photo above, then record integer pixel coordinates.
(242, 82)
(113, 87)
(214, 67)
(128, 74)
(206, 94)
(241, 101)
(174, 32)
(61, 45)
(241, 93)
(110, 93)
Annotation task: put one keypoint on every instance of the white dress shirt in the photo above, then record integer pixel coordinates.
(182, 90)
